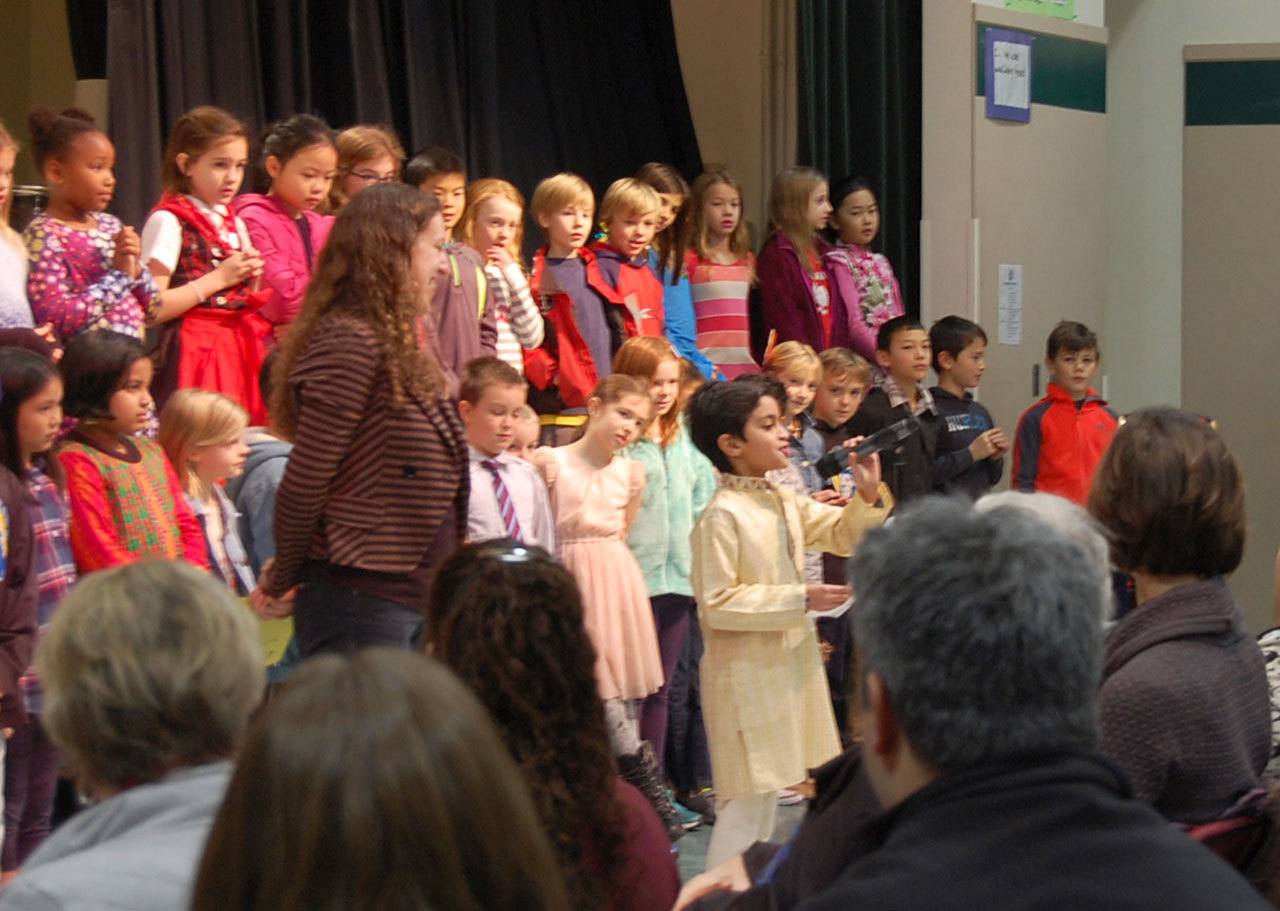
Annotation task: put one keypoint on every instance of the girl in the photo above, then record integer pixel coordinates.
(367, 156)
(864, 280)
(493, 226)
(720, 267)
(596, 494)
(85, 267)
(126, 501)
(678, 483)
(15, 312)
(300, 158)
(205, 266)
(667, 260)
(797, 299)
(202, 433)
(30, 415)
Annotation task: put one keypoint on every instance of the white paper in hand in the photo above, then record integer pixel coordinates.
(838, 611)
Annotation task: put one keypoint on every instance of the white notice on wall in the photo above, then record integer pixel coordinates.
(1012, 71)
(1011, 303)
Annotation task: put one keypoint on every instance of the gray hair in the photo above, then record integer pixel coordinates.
(148, 667)
(986, 629)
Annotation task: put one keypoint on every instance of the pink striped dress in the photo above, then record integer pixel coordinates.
(720, 310)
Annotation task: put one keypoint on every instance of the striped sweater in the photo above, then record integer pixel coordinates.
(519, 322)
(720, 310)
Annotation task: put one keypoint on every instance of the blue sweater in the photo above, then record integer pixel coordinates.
(681, 326)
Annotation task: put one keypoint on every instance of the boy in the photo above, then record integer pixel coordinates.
(462, 325)
(524, 439)
(902, 351)
(764, 694)
(508, 497)
(970, 454)
(844, 380)
(1061, 438)
(629, 212)
(583, 314)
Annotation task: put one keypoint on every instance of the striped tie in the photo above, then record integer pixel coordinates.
(505, 506)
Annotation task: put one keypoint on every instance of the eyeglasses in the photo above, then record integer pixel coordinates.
(370, 177)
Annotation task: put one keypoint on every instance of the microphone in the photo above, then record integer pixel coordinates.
(888, 437)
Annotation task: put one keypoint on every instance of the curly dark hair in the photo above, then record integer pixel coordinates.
(507, 619)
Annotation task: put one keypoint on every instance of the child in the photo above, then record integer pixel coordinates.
(15, 312)
(667, 260)
(583, 324)
(508, 497)
(596, 494)
(629, 213)
(524, 436)
(126, 501)
(202, 432)
(30, 416)
(205, 265)
(493, 226)
(797, 367)
(1061, 438)
(865, 280)
(678, 485)
(764, 695)
(845, 378)
(85, 267)
(300, 158)
(721, 268)
(367, 156)
(970, 455)
(797, 299)
(462, 325)
(902, 351)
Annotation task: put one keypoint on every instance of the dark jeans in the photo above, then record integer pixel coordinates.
(834, 631)
(671, 615)
(330, 618)
(30, 777)
(688, 762)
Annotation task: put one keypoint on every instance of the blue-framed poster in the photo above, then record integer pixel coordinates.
(1007, 61)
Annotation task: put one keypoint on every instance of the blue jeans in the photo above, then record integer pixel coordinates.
(330, 618)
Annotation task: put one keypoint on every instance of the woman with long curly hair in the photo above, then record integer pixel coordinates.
(374, 497)
(507, 619)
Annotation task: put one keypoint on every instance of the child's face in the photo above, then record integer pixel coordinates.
(218, 461)
(216, 175)
(801, 386)
(630, 232)
(620, 423)
(451, 189)
(368, 173)
(721, 210)
(567, 228)
(8, 156)
(907, 359)
(858, 218)
(671, 203)
(491, 421)
(1074, 370)
(838, 398)
(525, 439)
(664, 388)
(497, 221)
(84, 178)
(304, 180)
(39, 418)
(131, 404)
(818, 211)
(968, 366)
(764, 444)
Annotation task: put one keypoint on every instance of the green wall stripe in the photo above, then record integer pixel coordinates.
(1225, 92)
(1065, 72)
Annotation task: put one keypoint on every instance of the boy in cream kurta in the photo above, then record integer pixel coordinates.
(764, 692)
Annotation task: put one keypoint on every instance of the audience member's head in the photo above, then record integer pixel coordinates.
(376, 781)
(508, 620)
(978, 640)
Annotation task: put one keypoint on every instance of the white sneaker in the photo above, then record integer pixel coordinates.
(789, 798)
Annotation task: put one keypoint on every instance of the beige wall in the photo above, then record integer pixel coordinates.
(34, 71)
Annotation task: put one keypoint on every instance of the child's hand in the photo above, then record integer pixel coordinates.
(866, 472)
(128, 252)
(1000, 441)
(986, 445)
(236, 268)
(830, 496)
(499, 256)
(255, 255)
(819, 599)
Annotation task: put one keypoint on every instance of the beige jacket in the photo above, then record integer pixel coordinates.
(764, 693)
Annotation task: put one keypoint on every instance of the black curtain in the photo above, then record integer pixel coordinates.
(520, 89)
(860, 99)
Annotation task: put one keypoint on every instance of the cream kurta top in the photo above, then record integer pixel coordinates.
(764, 692)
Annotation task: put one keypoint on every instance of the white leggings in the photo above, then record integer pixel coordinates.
(740, 823)
(621, 719)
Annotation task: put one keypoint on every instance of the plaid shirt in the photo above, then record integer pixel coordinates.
(55, 567)
(898, 397)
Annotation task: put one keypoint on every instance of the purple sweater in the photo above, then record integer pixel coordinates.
(786, 298)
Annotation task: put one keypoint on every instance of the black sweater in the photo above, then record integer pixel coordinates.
(908, 470)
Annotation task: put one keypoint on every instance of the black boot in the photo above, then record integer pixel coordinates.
(640, 769)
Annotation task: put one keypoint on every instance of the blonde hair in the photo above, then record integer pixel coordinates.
(845, 362)
(526, 414)
(628, 196)
(793, 357)
(640, 357)
(193, 418)
(559, 190)
(148, 667)
(7, 233)
(362, 142)
(480, 192)
(739, 240)
(789, 208)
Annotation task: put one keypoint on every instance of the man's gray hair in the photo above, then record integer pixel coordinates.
(986, 628)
